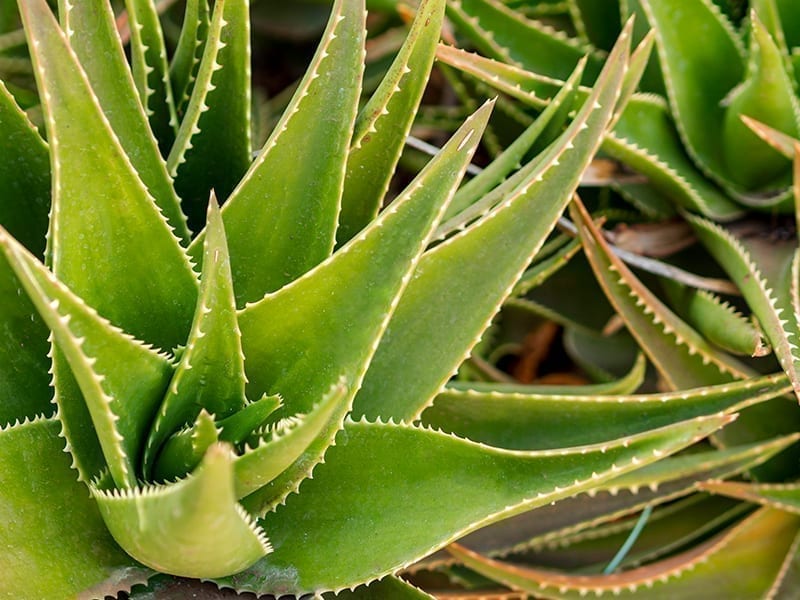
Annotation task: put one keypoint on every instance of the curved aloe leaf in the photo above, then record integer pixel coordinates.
(403, 453)
(505, 34)
(281, 219)
(350, 298)
(767, 94)
(452, 285)
(578, 517)
(765, 274)
(389, 587)
(644, 135)
(193, 527)
(384, 123)
(780, 496)
(42, 501)
(525, 420)
(741, 563)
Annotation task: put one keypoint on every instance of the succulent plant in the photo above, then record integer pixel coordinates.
(234, 394)
(701, 186)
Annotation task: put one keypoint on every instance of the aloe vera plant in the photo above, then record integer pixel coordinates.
(234, 394)
(702, 173)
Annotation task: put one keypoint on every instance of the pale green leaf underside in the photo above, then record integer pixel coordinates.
(192, 528)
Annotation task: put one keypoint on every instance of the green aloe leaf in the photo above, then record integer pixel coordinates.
(184, 65)
(370, 533)
(212, 148)
(657, 484)
(506, 35)
(716, 320)
(767, 95)
(193, 527)
(281, 219)
(25, 181)
(24, 381)
(96, 43)
(150, 69)
(698, 102)
(210, 374)
(644, 134)
(284, 443)
(389, 587)
(741, 563)
(687, 362)
(780, 496)
(525, 420)
(42, 501)
(384, 123)
(121, 379)
(766, 273)
(129, 234)
(349, 299)
(452, 285)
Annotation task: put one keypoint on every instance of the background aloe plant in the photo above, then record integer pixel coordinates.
(689, 254)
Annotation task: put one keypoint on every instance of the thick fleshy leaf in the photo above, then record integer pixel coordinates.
(24, 381)
(384, 122)
(212, 148)
(93, 36)
(284, 443)
(716, 320)
(529, 421)
(281, 219)
(780, 496)
(767, 95)
(367, 533)
(644, 134)
(461, 283)
(121, 380)
(185, 62)
(210, 374)
(192, 528)
(54, 543)
(25, 180)
(506, 35)
(742, 563)
(765, 273)
(150, 70)
(697, 100)
(128, 233)
(687, 362)
(577, 517)
(349, 300)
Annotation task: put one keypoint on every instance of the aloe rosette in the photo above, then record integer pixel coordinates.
(235, 393)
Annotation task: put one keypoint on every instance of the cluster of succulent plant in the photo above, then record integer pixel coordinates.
(689, 254)
(252, 366)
